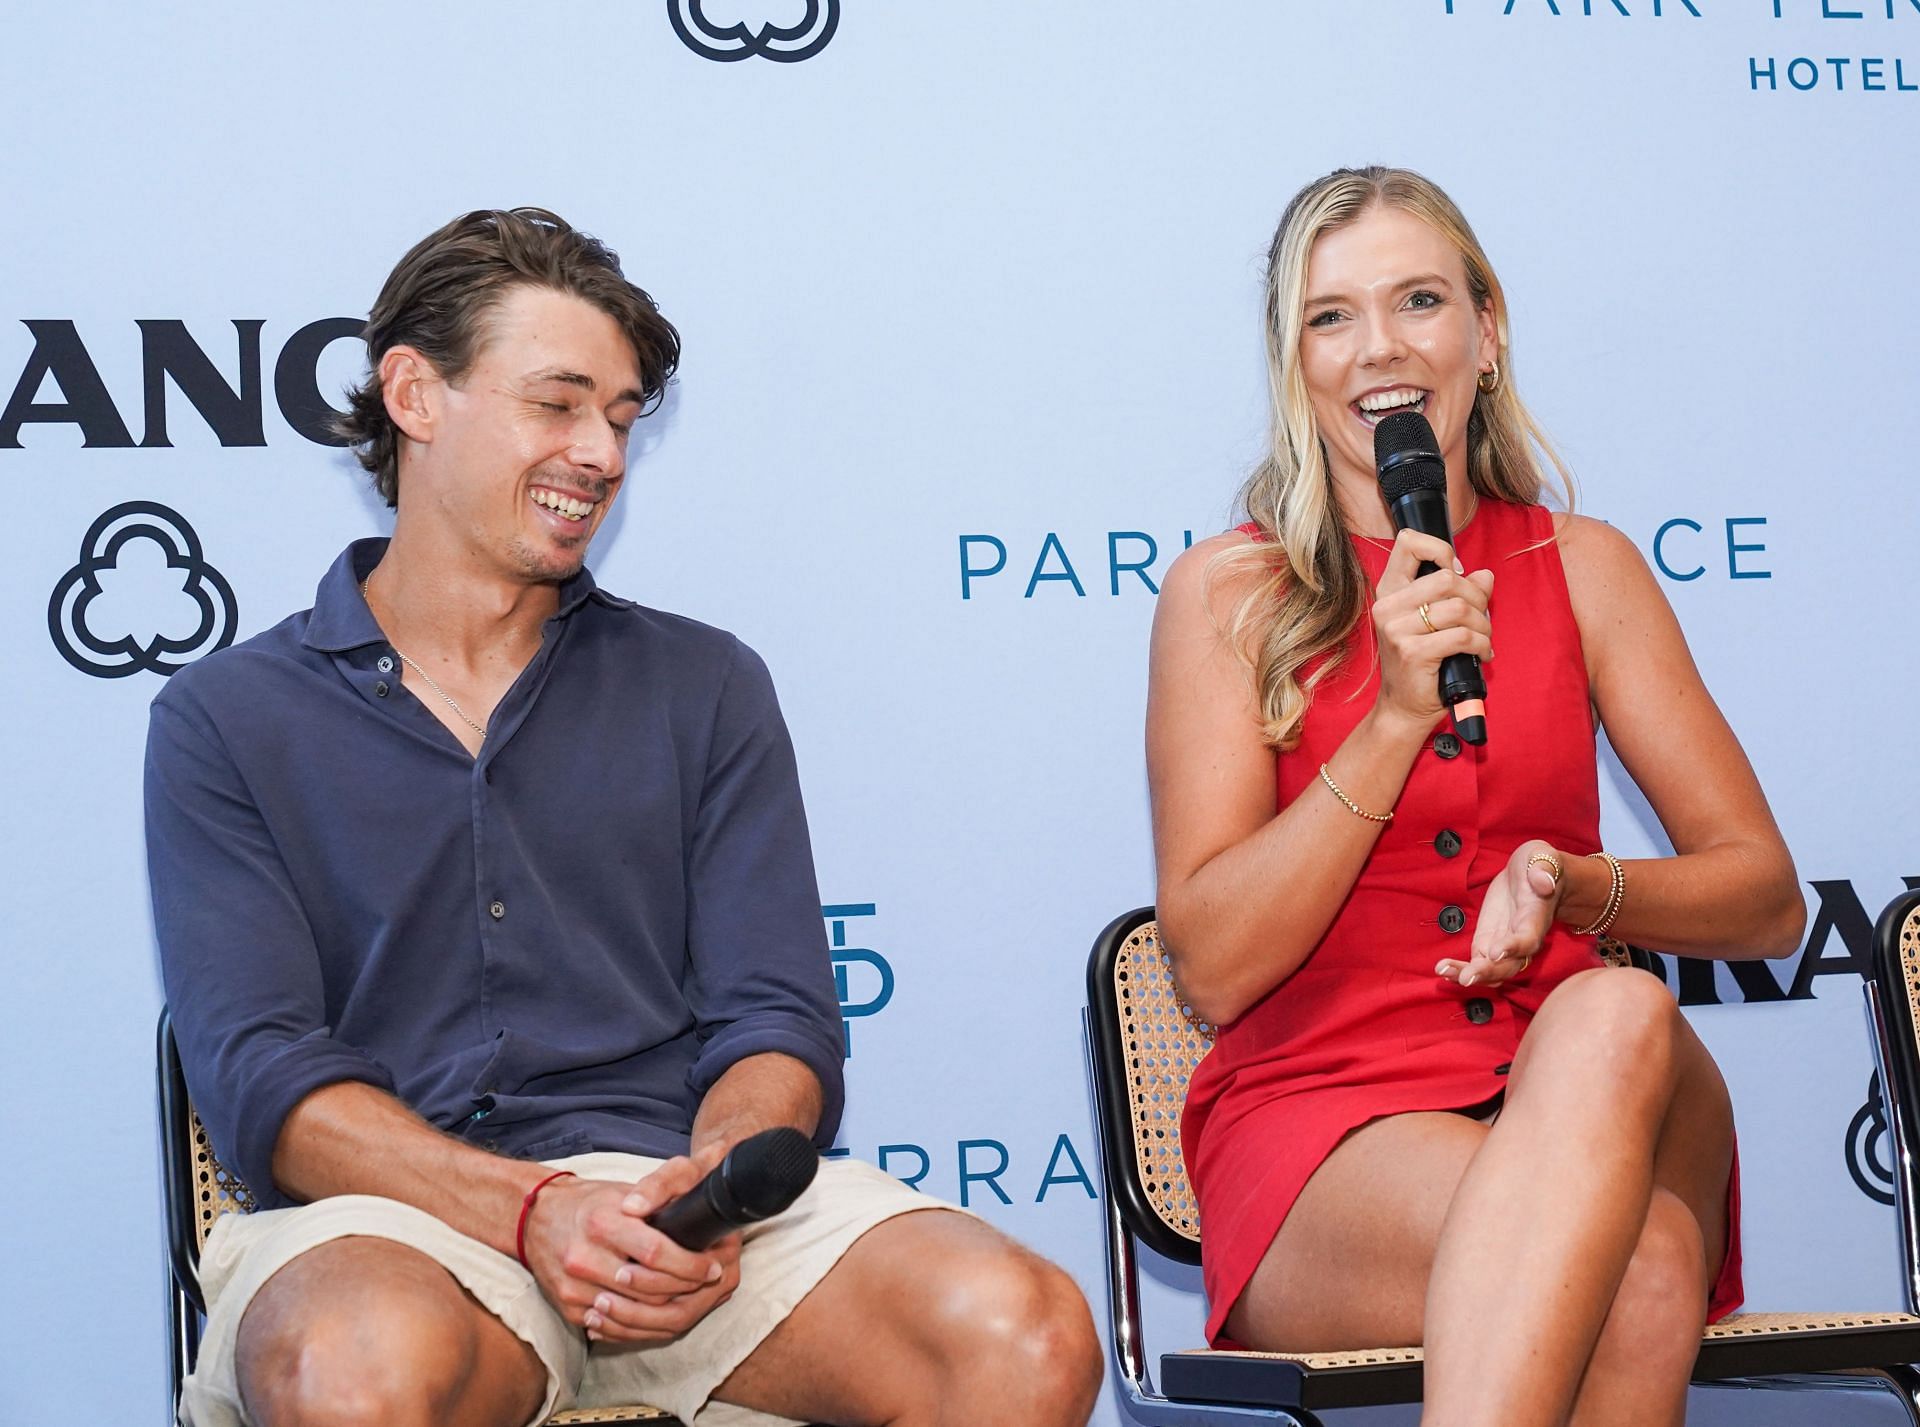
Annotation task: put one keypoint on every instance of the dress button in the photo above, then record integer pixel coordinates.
(384, 664)
(497, 910)
(1448, 843)
(1447, 745)
(1479, 1010)
(1452, 919)
(380, 689)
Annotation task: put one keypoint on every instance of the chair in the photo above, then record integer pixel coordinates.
(199, 1189)
(1143, 1043)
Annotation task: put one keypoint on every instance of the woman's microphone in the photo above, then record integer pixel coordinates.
(1413, 479)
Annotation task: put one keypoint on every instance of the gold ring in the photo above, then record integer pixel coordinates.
(1426, 618)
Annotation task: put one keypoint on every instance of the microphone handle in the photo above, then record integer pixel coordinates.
(1461, 681)
(694, 1220)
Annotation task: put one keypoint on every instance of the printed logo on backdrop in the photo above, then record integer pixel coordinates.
(1781, 71)
(862, 977)
(141, 597)
(742, 39)
(60, 366)
(1731, 548)
(1047, 1168)
(1870, 1147)
(1116, 562)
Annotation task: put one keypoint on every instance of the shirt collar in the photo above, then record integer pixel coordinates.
(341, 620)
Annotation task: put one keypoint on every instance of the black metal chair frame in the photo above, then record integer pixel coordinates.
(1819, 1351)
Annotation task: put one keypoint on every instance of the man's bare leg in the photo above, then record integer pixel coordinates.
(365, 1332)
(930, 1319)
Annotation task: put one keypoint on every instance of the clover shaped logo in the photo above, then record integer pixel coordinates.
(784, 44)
(142, 597)
(1869, 1149)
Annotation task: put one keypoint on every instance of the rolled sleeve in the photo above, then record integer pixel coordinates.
(760, 977)
(237, 953)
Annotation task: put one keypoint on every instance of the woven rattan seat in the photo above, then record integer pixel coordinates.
(200, 1189)
(1143, 1044)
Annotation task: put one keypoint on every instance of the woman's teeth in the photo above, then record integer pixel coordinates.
(563, 505)
(1375, 407)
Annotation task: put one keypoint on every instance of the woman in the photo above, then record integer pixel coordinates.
(1432, 1115)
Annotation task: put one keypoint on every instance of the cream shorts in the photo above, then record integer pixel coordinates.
(781, 1259)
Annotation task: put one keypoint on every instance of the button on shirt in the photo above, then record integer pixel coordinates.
(554, 947)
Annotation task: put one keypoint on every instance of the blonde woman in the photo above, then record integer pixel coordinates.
(1432, 1115)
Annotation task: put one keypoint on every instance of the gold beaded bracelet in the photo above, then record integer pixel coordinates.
(1352, 806)
(1616, 894)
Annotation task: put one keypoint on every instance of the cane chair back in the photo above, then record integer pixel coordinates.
(1154, 1040)
(1144, 1041)
(200, 1189)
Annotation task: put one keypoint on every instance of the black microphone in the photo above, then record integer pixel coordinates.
(1413, 479)
(760, 1176)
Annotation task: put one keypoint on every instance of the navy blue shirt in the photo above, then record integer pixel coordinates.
(554, 947)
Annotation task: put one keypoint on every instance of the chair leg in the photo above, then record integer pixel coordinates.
(1899, 1380)
(1904, 1382)
(183, 1334)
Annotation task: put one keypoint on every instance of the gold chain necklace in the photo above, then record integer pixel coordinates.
(478, 728)
(1387, 545)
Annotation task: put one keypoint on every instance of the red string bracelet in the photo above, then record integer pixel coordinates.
(526, 1208)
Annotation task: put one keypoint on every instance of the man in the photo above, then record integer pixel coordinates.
(488, 922)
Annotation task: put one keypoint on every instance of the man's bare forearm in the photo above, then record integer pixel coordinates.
(352, 1138)
(755, 1094)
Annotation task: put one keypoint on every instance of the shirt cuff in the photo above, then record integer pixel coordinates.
(273, 1085)
(787, 1035)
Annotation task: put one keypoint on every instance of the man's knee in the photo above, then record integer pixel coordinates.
(392, 1346)
(1018, 1316)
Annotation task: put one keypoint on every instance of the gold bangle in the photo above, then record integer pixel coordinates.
(1352, 806)
(1553, 865)
(1616, 894)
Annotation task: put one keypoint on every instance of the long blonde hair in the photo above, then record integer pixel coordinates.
(1310, 590)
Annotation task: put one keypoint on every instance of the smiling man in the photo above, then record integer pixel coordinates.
(488, 921)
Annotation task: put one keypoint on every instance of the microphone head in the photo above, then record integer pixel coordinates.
(1407, 455)
(766, 1172)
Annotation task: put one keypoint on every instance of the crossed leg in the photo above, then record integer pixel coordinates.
(1555, 1265)
(929, 1319)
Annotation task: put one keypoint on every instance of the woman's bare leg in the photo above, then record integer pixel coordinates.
(1505, 1251)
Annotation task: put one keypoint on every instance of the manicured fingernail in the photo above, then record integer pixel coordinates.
(1441, 969)
(1458, 568)
(604, 1303)
(713, 1273)
(635, 1204)
(623, 1275)
(593, 1320)
(1466, 978)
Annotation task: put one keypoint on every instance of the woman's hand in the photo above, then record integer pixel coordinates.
(1413, 644)
(1518, 911)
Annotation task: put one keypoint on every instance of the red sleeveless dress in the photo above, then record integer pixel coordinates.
(1364, 1028)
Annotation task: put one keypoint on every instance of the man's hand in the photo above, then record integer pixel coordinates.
(611, 1274)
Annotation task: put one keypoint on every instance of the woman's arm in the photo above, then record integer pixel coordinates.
(1731, 891)
(1245, 894)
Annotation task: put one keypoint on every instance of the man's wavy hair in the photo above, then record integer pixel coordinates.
(439, 296)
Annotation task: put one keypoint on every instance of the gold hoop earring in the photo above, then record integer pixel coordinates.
(1489, 382)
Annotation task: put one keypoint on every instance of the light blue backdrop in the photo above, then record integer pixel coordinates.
(981, 270)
